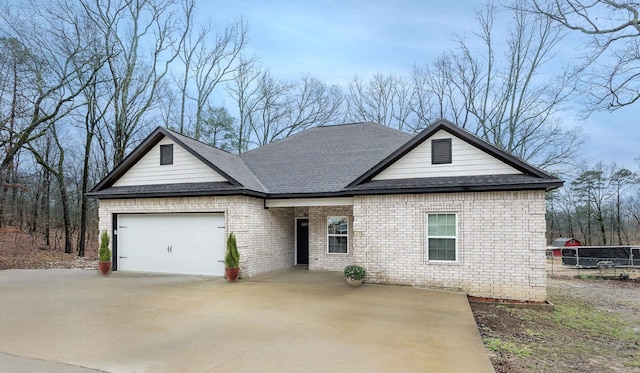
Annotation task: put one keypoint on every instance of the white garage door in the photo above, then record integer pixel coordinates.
(172, 243)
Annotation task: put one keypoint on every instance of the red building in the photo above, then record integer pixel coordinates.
(563, 242)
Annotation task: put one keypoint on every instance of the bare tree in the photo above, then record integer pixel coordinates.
(141, 40)
(271, 109)
(510, 103)
(440, 92)
(207, 63)
(51, 48)
(314, 103)
(269, 117)
(244, 91)
(633, 210)
(386, 100)
(47, 55)
(95, 110)
(58, 172)
(611, 68)
(15, 88)
(595, 188)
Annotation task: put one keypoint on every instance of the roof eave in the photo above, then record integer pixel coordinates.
(128, 162)
(457, 189)
(340, 193)
(547, 186)
(107, 195)
(141, 150)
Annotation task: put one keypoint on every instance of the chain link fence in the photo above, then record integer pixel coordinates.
(597, 261)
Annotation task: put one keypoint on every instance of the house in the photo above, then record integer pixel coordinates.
(428, 210)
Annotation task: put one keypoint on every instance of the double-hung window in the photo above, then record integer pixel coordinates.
(337, 235)
(442, 236)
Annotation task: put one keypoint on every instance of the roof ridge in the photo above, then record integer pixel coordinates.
(317, 128)
(198, 141)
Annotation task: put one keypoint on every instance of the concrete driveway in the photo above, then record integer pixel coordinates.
(295, 321)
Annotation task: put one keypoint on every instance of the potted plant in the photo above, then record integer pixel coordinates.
(354, 274)
(105, 254)
(232, 259)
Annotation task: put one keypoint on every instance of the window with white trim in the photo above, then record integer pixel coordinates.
(337, 235)
(442, 236)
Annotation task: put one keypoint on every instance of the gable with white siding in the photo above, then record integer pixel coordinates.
(466, 160)
(186, 168)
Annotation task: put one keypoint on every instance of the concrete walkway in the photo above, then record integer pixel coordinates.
(296, 321)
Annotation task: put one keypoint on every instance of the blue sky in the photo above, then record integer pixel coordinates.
(335, 40)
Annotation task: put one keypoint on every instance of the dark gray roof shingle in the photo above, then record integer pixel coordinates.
(459, 184)
(322, 159)
(168, 190)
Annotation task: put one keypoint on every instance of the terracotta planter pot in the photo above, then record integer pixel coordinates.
(353, 283)
(232, 274)
(105, 267)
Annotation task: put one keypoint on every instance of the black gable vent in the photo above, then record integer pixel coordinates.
(441, 151)
(166, 154)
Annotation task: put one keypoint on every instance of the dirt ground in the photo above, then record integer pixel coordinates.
(595, 326)
(19, 250)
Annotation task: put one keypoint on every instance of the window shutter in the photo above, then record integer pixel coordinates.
(441, 151)
(166, 154)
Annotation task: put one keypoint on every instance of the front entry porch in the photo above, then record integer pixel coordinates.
(322, 231)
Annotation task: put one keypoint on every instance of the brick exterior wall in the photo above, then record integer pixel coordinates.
(264, 236)
(319, 257)
(501, 240)
(501, 237)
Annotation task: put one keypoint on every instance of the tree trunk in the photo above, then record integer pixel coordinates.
(64, 199)
(46, 203)
(65, 213)
(83, 198)
(618, 223)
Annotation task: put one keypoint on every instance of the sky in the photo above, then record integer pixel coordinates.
(335, 40)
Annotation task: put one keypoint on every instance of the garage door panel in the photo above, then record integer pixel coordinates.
(172, 243)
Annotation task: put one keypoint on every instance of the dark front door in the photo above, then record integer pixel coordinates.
(302, 241)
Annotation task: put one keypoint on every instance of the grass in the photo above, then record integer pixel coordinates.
(575, 337)
(586, 319)
(498, 345)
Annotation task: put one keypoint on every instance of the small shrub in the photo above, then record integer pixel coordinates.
(105, 252)
(354, 272)
(232, 257)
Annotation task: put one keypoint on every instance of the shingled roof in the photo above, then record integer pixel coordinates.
(337, 160)
(322, 159)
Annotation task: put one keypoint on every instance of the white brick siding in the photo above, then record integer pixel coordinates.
(264, 236)
(500, 241)
(501, 237)
(319, 258)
